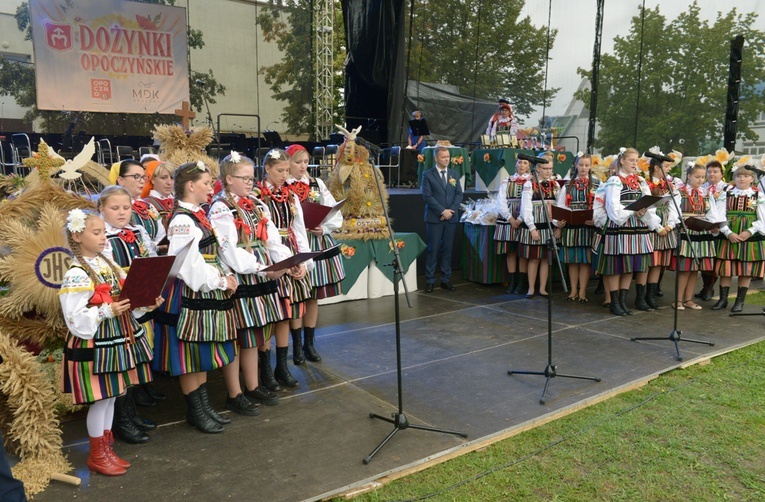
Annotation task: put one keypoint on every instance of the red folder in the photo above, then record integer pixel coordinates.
(573, 217)
(314, 215)
(146, 279)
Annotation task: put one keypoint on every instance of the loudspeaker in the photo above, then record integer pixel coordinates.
(734, 86)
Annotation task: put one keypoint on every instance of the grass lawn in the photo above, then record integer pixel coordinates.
(692, 434)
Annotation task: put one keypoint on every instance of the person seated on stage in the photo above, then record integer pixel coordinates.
(502, 120)
(415, 142)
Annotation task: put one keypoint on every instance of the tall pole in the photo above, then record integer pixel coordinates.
(595, 80)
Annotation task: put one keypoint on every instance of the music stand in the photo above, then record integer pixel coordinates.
(273, 139)
(419, 127)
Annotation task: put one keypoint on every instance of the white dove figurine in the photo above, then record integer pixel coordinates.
(71, 170)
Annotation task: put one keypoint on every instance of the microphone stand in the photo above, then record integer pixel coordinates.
(675, 335)
(551, 370)
(398, 419)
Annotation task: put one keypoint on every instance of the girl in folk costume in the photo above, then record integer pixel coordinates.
(506, 231)
(131, 175)
(625, 246)
(576, 241)
(104, 345)
(247, 240)
(503, 120)
(123, 243)
(327, 273)
(697, 244)
(196, 329)
(664, 246)
(158, 192)
(534, 233)
(743, 253)
(716, 186)
(295, 287)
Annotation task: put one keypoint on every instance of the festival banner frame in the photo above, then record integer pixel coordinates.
(110, 56)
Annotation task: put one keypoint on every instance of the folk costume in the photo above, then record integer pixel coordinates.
(576, 241)
(509, 199)
(664, 246)
(716, 193)
(535, 212)
(145, 215)
(162, 205)
(698, 243)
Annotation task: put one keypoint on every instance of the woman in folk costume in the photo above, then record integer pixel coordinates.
(625, 246)
(664, 246)
(248, 240)
(716, 186)
(697, 249)
(534, 232)
(576, 241)
(742, 254)
(132, 175)
(104, 343)
(328, 272)
(506, 230)
(124, 242)
(158, 192)
(197, 328)
(294, 288)
(502, 121)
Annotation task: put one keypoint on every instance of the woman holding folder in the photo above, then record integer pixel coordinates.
(626, 246)
(576, 240)
(327, 273)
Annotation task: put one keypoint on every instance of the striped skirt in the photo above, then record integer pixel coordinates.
(703, 246)
(256, 302)
(505, 237)
(327, 273)
(249, 338)
(576, 244)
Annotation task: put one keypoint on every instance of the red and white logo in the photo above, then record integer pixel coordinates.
(101, 88)
(58, 36)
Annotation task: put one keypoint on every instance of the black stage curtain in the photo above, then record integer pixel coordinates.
(375, 73)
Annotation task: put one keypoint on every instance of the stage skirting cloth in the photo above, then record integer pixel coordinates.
(480, 261)
(460, 163)
(493, 165)
(368, 273)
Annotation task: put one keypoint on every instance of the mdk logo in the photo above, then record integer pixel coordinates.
(58, 36)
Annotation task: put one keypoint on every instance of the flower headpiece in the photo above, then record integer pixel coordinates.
(235, 157)
(75, 221)
(676, 157)
(579, 155)
(622, 150)
(200, 166)
(274, 154)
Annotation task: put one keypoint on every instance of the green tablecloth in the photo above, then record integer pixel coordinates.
(457, 153)
(380, 251)
(505, 157)
(480, 261)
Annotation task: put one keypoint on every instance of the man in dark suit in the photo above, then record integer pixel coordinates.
(442, 192)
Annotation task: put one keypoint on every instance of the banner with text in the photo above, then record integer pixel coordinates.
(109, 56)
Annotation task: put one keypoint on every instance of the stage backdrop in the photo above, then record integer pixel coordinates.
(109, 56)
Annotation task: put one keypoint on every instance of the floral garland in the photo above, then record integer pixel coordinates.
(127, 235)
(695, 200)
(547, 187)
(141, 208)
(301, 189)
(279, 194)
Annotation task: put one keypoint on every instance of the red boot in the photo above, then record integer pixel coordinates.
(110, 452)
(98, 460)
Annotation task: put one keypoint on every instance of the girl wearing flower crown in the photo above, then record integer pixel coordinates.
(105, 343)
(123, 243)
(697, 249)
(742, 254)
(197, 328)
(248, 241)
(506, 231)
(534, 233)
(625, 246)
(327, 273)
(294, 288)
(158, 192)
(131, 175)
(576, 242)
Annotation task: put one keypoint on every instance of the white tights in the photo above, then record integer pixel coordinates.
(100, 416)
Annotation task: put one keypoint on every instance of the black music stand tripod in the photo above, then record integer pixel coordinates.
(398, 419)
(550, 371)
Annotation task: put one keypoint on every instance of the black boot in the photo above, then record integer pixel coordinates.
(310, 351)
(522, 285)
(650, 295)
(143, 424)
(282, 372)
(297, 346)
(623, 301)
(738, 305)
(709, 287)
(723, 301)
(267, 379)
(142, 398)
(659, 292)
(123, 426)
(153, 393)
(599, 290)
(197, 417)
(614, 306)
(511, 280)
(640, 298)
(207, 407)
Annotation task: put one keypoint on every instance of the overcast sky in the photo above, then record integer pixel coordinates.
(575, 21)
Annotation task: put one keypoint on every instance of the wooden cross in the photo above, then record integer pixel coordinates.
(185, 113)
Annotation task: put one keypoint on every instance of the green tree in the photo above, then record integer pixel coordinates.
(484, 48)
(288, 24)
(683, 87)
(18, 80)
